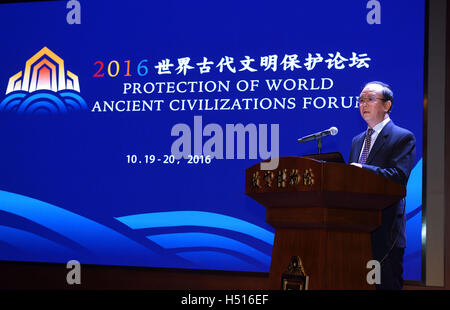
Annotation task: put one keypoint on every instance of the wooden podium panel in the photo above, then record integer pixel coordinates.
(332, 259)
(324, 213)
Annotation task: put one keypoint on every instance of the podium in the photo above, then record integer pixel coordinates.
(324, 213)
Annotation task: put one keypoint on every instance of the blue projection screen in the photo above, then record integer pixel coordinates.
(126, 127)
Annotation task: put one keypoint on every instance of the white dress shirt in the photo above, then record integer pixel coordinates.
(376, 130)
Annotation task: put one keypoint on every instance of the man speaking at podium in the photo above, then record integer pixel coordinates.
(389, 151)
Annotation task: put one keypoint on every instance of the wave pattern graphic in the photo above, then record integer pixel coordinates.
(208, 240)
(412, 261)
(206, 249)
(30, 245)
(414, 191)
(103, 245)
(196, 218)
(43, 102)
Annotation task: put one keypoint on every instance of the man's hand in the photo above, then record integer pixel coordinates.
(356, 164)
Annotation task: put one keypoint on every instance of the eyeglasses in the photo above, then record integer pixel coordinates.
(363, 100)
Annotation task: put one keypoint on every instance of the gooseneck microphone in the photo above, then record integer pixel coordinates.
(315, 136)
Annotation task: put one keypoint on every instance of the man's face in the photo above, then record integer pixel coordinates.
(372, 107)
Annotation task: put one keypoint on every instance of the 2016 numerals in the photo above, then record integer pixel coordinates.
(113, 68)
(199, 159)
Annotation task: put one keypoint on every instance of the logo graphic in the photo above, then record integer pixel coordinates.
(44, 87)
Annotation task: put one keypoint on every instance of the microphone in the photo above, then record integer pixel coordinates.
(315, 136)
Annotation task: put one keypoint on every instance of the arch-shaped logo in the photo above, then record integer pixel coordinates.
(43, 87)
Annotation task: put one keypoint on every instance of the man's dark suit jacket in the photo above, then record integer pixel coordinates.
(391, 156)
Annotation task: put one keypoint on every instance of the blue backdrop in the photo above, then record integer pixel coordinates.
(85, 164)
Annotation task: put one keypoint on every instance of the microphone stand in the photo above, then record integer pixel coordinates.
(318, 136)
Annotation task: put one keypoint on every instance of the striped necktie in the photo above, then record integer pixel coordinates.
(366, 149)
